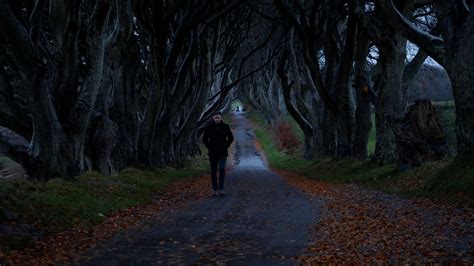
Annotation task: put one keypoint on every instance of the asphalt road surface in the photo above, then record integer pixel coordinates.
(261, 220)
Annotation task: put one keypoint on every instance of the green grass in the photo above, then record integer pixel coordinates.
(450, 180)
(276, 158)
(297, 130)
(60, 204)
(321, 168)
(457, 177)
(447, 117)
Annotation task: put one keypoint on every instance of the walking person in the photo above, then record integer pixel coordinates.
(217, 138)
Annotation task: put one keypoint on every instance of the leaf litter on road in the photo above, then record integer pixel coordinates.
(367, 226)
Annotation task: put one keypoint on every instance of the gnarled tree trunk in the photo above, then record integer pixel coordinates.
(388, 103)
(419, 135)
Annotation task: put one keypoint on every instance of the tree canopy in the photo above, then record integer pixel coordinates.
(105, 85)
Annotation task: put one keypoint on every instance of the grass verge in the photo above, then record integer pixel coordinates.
(59, 204)
(447, 180)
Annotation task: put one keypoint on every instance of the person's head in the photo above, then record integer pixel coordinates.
(217, 117)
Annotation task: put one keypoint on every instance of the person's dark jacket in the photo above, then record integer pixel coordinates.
(217, 138)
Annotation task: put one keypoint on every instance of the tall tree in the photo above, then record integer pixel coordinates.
(58, 50)
(392, 71)
(453, 50)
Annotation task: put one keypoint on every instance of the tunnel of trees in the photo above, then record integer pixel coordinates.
(109, 84)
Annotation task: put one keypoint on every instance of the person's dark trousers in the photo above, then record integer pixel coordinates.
(218, 162)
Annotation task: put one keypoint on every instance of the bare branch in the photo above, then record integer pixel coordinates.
(299, 118)
(433, 45)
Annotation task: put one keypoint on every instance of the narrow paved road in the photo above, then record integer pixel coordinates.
(260, 221)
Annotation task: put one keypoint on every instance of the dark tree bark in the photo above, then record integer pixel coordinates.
(14, 112)
(100, 143)
(388, 87)
(293, 110)
(59, 135)
(114, 130)
(319, 30)
(186, 135)
(362, 87)
(419, 135)
(125, 108)
(72, 150)
(300, 107)
(345, 104)
(389, 79)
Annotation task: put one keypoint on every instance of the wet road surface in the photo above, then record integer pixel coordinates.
(260, 221)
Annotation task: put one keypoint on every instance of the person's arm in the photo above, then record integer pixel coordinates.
(230, 136)
(205, 138)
